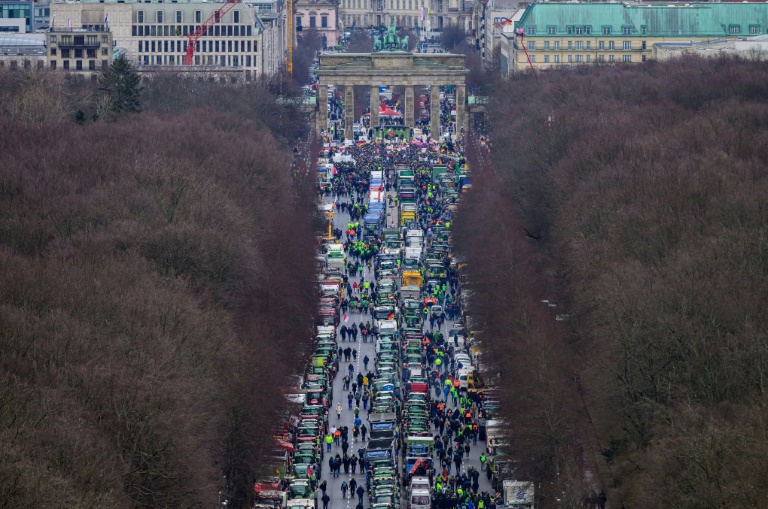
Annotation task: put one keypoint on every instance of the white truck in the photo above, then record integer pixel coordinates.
(334, 258)
(518, 494)
(413, 253)
(414, 238)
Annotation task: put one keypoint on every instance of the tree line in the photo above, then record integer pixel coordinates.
(157, 273)
(633, 197)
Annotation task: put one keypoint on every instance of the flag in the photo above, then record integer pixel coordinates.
(391, 316)
(360, 143)
(69, 22)
(346, 318)
(106, 20)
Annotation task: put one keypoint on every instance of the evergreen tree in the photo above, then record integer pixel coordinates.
(123, 84)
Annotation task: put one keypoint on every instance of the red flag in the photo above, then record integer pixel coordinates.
(346, 318)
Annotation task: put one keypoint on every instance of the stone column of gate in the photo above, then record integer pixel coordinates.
(408, 106)
(322, 109)
(374, 107)
(349, 112)
(434, 112)
(461, 100)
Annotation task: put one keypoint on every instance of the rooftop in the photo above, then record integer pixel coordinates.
(674, 20)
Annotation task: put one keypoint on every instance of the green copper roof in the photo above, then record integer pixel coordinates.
(678, 20)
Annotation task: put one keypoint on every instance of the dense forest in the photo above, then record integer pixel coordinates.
(634, 202)
(157, 273)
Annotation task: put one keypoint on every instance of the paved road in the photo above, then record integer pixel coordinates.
(347, 416)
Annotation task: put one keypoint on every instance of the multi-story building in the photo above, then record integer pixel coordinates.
(319, 15)
(489, 19)
(558, 34)
(17, 17)
(408, 14)
(79, 50)
(22, 51)
(154, 33)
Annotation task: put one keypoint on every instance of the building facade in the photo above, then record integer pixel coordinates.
(418, 15)
(155, 33)
(17, 17)
(489, 20)
(319, 15)
(79, 50)
(565, 34)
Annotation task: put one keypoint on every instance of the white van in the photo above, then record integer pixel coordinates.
(420, 499)
(463, 372)
(419, 483)
(387, 327)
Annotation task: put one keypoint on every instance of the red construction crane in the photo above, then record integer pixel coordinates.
(202, 29)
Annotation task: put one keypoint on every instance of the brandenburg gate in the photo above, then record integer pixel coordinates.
(391, 63)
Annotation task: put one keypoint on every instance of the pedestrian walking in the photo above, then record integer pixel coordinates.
(360, 493)
(325, 500)
(338, 410)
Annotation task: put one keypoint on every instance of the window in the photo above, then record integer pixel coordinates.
(642, 46)
(610, 45)
(579, 30)
(533, 59)
(579, 58)
(53, 38)
(530, 30)
(580, 45)
(626, 30)
(570, 44)
(601, 58)
(65, 53)
(589, 44)
(570, 59)
(312, 22)
(236, 14)
(324, 21)
(53, 64)
(66, 65)
(610, 58)
(159, 16)
(53, 52)
(643, 58)
(588, 29)
(546, 59)
(546, 44)
(606, 30)
(643, 29)
(627, 45)
(92, 65)
(601, 45)
(754, 29)
(734, 29)
(557, 59)
(104, 39)
(531, 45)
(569, 30)
(104, 51)
(78, 65)
(179, 19)
(140, 17)
(589, 58)
(198, 16)
(298, 21)
(627, 58)
(557, 45)
(551, 30)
